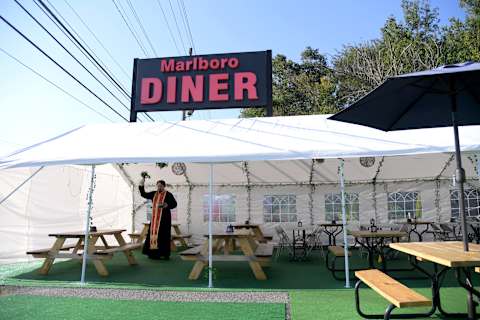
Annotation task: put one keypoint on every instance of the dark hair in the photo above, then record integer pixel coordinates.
(162, 182)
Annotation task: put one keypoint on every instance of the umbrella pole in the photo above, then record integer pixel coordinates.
(459, 172)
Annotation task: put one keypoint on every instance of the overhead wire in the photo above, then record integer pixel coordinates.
(75, 44)
(98, 40)
(168, 27)
(141, 27)
(69, 53)
(134, 34)
(84, 43)
(176, 24)
(186, 25)
(82, 48)
(60, 66)
(55, 85)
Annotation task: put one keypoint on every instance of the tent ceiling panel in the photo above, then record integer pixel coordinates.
(252, 139)
(284, 172)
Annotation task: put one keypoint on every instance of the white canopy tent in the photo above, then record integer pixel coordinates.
(267, 156)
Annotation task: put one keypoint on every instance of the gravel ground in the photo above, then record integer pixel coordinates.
(128, 294)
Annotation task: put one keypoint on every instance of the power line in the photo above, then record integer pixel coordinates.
(168, 26)
(117, 82)
(83, 48)
(61, 67)
(74, 43)
(71, 55)
(129, 28)
(98, 40)
(55, 85)
(186, 26)
(141, 27)
(176, 24)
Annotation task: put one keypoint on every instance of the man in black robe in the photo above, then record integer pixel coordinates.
(157, 243)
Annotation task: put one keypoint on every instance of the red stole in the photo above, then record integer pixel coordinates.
(156, 218)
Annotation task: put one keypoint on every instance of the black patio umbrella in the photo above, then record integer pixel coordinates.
(445, 96)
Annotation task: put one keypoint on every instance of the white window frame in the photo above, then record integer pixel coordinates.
(400, 203)
(280, 208)
(333, 206)
(220, 201)
(472, 203)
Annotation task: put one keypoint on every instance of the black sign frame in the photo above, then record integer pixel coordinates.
(261, 61)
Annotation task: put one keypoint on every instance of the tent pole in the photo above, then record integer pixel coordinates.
(87, 226)
(344, 222)
(210, 209)
(19, 186)
(459, 172)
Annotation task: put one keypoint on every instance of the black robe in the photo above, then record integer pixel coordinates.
(165, 229)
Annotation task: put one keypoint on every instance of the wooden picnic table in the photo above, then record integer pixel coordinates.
(374, 242)
(414, 228)
(257, 255)
(449, 255)
(177, 236)
(332, 230)
(97, 254)
(255, 228)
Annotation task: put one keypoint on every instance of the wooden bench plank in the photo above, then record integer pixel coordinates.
(392, 290)
(181, 236)
(192, 251)
(40, 251)
(264, 250)
(129, 246)
(338, 251)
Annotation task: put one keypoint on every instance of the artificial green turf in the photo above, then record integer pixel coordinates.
(340, 304)
(39, 307)
(282, 274)
(301, 279)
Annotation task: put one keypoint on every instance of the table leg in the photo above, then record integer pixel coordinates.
(436, 278)
(254, 265)
(104, 242)
(467, 285)
(99, 265)
(424, 231)
(259, 234)
(177, 230)
(78, 245)
(128, 253)
(199, 265)
(47, 264)
(336, 233)
(173, 246)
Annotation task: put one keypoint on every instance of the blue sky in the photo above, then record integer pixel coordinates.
(33, 110)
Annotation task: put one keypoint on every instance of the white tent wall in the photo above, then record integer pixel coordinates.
(14, 226)
(249, 183)
(55, 200)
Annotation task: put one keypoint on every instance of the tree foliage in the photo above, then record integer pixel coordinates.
(305, 87)
(416, 42)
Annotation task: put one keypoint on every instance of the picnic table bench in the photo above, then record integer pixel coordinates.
(337, 252)
(257, 255)
(396, 293)
(177, 236)
(446, 256)
(95, 253)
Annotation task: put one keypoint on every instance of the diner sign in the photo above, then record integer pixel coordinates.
(216, 81)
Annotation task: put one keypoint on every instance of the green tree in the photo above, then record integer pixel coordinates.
(462, 38)
(412, 45)
(299, 88)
